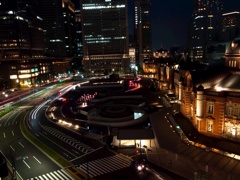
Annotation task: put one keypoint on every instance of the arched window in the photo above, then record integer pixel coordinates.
(210, 126)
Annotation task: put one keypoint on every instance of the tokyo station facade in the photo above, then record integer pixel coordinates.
(209, 95)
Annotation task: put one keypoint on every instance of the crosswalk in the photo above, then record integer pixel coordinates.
(69, 140)
(54, 175)
(104, 165)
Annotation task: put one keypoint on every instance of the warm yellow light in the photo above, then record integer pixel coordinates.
(22, 76)
(218, 88)
(13, 76)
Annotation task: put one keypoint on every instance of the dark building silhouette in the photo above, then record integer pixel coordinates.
(69, 26)
(205, 26)
(78, 34)
(142, 30)
(53, 28)
(230, 25)
(21, 32)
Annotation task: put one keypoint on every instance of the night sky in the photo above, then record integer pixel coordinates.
(170, 19)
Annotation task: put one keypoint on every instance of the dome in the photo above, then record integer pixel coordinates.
(234, 48)
(200, 88)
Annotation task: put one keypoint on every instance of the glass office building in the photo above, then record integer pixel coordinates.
(105, 35)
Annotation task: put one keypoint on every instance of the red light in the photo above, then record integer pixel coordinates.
(64, 99)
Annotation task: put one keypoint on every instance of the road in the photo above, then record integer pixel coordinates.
(28, 160)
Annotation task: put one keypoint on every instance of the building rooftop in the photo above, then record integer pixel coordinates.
(135, 134)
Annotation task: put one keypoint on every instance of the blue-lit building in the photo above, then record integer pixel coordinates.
(105, 36)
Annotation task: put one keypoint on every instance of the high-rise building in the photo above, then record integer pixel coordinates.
(69, 26)
(142, 30)
(105, 35)
(205, 27)
(78, 32)
(230, 25)
(53, 28)
(21, 33)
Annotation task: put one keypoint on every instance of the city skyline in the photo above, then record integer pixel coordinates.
(168, 28)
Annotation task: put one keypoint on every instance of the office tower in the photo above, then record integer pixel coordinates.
(69, 26)
(205, 27)
(53, 28)
(21, 31)
(105, 35)
(78, 32)
(142, 30)
(230, 25)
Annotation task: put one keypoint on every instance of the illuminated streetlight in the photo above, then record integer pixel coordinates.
(140, 167)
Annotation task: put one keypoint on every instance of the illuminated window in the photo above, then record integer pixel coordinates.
(209, 126)
(229, 111)
(210, 107)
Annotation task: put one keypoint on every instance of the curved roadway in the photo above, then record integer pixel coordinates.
(28, 160)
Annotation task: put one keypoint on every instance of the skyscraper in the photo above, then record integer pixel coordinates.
(231, 26)
(78, 37)
(105, 35)
(142, 30)
(205, 27)
(53, 28)
(69, 26)
(21, 33)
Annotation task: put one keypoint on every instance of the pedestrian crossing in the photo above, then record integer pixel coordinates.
(54, 175)
(104, 165)
(69, 140)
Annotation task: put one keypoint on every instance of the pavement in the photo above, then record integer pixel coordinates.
(185, 154)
